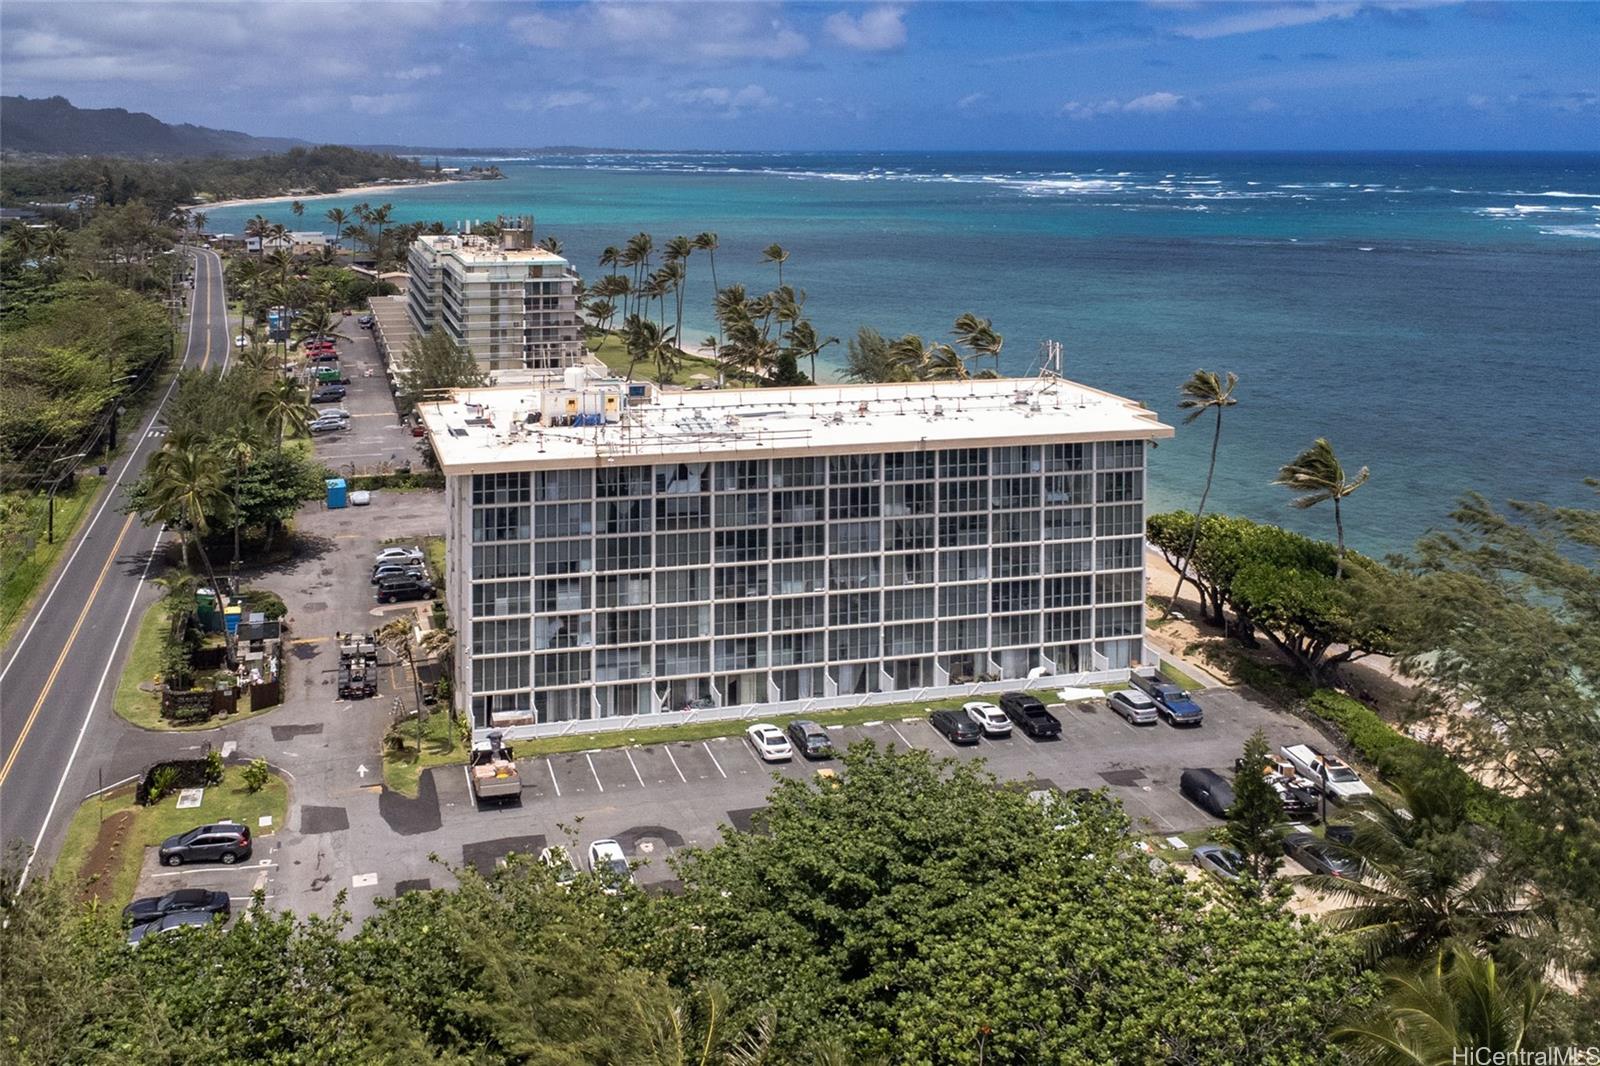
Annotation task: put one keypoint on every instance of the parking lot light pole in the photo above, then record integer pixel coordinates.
(116, 409)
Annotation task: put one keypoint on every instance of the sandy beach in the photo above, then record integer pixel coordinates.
(358, 190)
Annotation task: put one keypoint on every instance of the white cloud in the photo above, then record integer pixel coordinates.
(1158, 103)
(726, 102)
(1263, 17)
(970, 101)
(671, 33)
(880, 29)
(418, 73)
(1262, 104)
(569, 98)
(381, 103)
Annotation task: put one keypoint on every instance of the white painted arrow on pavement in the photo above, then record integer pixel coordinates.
(362, 769)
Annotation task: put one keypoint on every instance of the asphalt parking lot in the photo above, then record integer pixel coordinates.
(375, 439)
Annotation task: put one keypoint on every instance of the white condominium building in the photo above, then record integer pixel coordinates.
(787, 549)
(512, 305)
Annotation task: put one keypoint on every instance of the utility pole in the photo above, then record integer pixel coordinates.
(50, 521)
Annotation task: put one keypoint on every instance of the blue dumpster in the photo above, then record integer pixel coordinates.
(337, 497)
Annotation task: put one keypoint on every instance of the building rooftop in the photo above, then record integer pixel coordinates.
(487, 429)
(474, 250)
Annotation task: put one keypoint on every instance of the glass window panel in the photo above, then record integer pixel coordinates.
(622, 590)
(500, 597)
(501, 488)
(683, 586)
(500, 560)
(561, 594)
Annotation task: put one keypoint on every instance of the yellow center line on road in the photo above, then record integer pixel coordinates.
(111, 556)
(66, 649)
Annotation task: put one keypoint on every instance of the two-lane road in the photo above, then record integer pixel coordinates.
(60, 670)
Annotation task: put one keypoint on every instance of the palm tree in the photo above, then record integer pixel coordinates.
(297, 207)
(1446, 1014)
(54, 242)
(187, 492)
(1318, 475)
(978, 336)
(645, 342)
(707, 242)
(803, 339)
(636, 254)
(552, 244)
(337, 216)
(283, 408)
(260, 228)
(1204, 391)
(774, 253)
(198, 220)
(1432, 881)
(238, 449)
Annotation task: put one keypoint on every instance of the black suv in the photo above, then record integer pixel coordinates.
(328, 393)
(226, 842)
(404, 587)
(810, 740)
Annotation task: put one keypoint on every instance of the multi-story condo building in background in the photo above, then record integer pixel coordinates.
(513, 305)
(728, 552)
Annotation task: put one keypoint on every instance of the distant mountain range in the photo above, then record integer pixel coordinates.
(53, 126)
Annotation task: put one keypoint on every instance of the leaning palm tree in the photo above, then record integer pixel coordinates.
(283, 409)
(775, 253)
(188, 491)
(339, 218)
(552, 244)
(1204, 391)
(1431, 881)
(1317, 475)
(978, 336)
(1446, 1014)
(803, 339)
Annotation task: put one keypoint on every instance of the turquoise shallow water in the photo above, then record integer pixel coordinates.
(1437, 317)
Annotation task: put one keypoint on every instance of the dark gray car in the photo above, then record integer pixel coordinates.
(167, 923)
(1208, 790)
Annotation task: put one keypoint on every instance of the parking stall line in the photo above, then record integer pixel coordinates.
(592, 770)
(548, 765)
(714, 761)
(237, 868)
(902, 736)
(668, 749)
(635, 766)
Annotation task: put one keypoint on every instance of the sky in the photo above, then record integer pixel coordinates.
(1166, 75)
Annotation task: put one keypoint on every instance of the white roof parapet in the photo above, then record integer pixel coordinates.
(496, 434)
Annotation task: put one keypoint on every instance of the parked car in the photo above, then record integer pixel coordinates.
(955, 726)
(1208, 790)
(810, 740)
(328, 393)
(989, 718)
(365, 321)
(556, 857)
(1319, 856)
(327, 425)
(1298, 796)
(607, 862)
(769, 742)
(1030, 715)
(360, 498)
(335, 412)
(166, 924)
(391, 555)
(1134, 706)
(404, 587)
(323, 355)
(150, 908)
(1343, 783)
(399, 569)
(1340, 834)
(1172, 703)
(224, 842)
(1224, 864)
(241, 341)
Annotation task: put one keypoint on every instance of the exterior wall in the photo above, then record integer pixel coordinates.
(587, 597)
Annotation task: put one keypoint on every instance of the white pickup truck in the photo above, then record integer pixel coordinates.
(1343, 784)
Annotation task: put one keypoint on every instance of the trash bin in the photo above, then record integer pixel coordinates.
(337, 496)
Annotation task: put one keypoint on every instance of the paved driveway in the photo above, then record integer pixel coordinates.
(375, 439)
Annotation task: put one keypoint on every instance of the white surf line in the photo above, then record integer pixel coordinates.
(111, 490)
(714, 761)
(675, 766)
(590, 760)
(88, 715)
(553, 782)
(635, 766)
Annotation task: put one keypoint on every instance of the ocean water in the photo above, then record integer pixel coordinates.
(1436, 316)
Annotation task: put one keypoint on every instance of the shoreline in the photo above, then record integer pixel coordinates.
(354, 190)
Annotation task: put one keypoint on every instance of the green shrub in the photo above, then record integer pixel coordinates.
(266, 602)
(214, 768)
(1399, 758)
(162, 782)
(255, 775)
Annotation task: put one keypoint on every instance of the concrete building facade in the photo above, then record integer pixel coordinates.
(734, 552)
(512, 305)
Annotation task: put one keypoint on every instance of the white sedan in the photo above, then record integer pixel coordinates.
(769, 742)
(991, 719)
(607, 862)
(241, 341)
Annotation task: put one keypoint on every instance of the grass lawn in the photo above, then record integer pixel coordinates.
(734, 727)
(609, 350)
(25, 569)
(114, 875)
(433, 551)
(143, 708)
(440, 745)
(1179, 678)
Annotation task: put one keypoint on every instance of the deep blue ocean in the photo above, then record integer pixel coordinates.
(1436, 316)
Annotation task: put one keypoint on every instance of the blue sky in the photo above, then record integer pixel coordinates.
(1162, 75)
